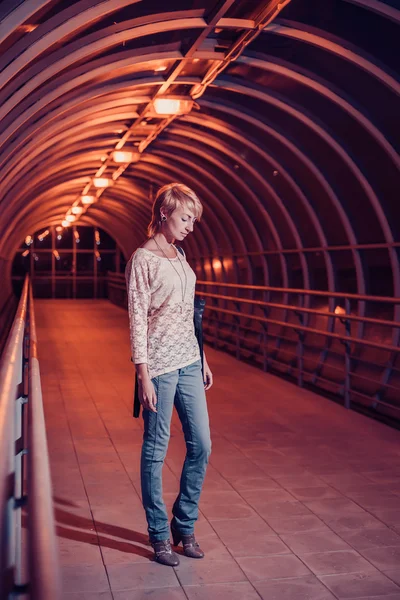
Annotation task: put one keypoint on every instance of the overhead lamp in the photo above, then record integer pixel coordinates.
(59, 228)
(43, 235)
(160, 69)
(97, 237)
(88, 199)
(97, 255)
(76, 236)
(65, 223)
(25, 253)
(70, 218)
(56, 254)
(28, 240)
(172, 106)
(339, 310)
(125, 156)
(77, 210)
(101, 182)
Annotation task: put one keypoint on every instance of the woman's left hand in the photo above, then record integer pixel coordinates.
(208, 377)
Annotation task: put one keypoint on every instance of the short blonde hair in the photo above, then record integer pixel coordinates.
(168, 198)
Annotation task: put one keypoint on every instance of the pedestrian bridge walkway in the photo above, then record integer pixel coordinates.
(301, 501)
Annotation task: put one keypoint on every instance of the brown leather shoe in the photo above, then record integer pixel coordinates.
(190, 547)
(164, 554)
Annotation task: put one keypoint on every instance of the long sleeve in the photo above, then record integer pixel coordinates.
(138, 287)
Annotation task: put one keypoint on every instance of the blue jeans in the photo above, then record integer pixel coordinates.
(184, 388)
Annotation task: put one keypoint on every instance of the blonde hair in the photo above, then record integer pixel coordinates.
(168, 198)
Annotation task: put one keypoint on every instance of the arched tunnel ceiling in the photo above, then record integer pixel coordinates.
(293, 144)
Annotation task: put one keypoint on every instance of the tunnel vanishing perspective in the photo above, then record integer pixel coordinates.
(282, 115)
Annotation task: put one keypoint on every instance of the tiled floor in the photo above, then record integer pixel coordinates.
(301, 501)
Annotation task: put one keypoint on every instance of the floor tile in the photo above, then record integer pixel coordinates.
(295, 524)
(206, 571)
(314, 541)
(357, 585)
(370, 538)
(171, 593)
(86, 578)
(222, 591)
(141, 576)
(342, 561)
(272, 567)
(298, 588)
(384, 558)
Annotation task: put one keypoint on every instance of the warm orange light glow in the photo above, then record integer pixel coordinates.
(56, 255)
(160, 69)
(97, 236)
(28, 240)
(25, 253)
(217, 265)
(70, 218)
(101, 182)
(88, 199)
(65, 223)
(28, 27)
(76, 236)
(340, 311)
(77, 210)
(59, 228)
(43, 235)
(125, 156)
(172, 106)
(97, 255)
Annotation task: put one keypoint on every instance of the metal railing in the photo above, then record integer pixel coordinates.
(28, 564)
(337, 348)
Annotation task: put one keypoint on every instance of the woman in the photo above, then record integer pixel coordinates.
(161, 288)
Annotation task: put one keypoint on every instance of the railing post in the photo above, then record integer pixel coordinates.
(347, 354)
(300, 347)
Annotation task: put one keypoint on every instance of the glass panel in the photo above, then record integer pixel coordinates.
(66, 238)
(84, 263)
(107, 263)
(86, 236)
(42, 263)
(64, 266)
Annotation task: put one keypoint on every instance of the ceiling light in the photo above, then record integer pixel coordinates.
(25, 253)
(101, 182)
(159, 69)
(88, 199)
(172, 106)
(339, 310)
(70, 218)
(77, 210)
(125, 156)
(43, 235)
(65, 223)
(59, 228)
(28, 240)
(56, 254)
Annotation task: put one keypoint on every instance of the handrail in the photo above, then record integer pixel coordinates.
(271, 335)
(44, 566)
(20, 386)
(118, 281)
(11, 380)
(302, 292)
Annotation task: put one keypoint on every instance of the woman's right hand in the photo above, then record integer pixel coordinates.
(147, 394)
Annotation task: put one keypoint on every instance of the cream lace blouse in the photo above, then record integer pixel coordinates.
(161, 325)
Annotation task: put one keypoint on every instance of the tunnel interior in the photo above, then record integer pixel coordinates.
(291, 143)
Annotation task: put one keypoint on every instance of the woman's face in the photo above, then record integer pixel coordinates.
(180, 223)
